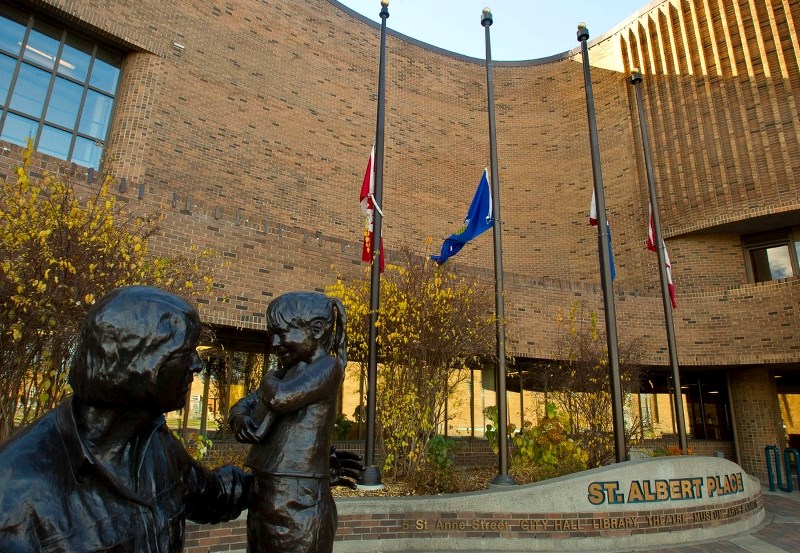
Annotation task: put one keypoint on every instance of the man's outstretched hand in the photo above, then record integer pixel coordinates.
(346, 468)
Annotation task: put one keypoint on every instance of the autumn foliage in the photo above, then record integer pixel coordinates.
(62, 246)
(432, 325)
(579, 383)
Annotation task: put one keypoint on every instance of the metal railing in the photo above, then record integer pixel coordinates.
(791, 457)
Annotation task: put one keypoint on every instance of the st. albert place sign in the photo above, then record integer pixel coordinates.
(653, 502)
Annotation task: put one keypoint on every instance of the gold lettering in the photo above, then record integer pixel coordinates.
(697, 484)
(565, 524)
(648, 491)
(662, 490)
(726, 485)
(686, 489)
(612, 494)
(596, 495)
(478, 524)
(451, 525)
(712, 485)
(674, 489)
(533, 525)
(635, 494)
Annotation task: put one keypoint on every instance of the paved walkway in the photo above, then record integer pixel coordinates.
(779, 533)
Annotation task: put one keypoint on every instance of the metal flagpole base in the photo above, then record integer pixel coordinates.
(502, 481)
(370, 479)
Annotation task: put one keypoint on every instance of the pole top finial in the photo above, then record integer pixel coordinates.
(636, 76)
(583, 32)
(384, 3)
(486, 17)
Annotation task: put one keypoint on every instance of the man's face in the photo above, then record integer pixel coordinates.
(293, 344)
(176, 373)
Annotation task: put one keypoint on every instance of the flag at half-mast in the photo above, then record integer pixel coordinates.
(593, 222)
(479, 219)
(651, 245)
(367, 199)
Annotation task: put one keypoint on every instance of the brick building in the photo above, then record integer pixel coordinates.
(249, 123)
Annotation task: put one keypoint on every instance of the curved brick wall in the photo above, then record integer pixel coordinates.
(638, 504)
(254, 137)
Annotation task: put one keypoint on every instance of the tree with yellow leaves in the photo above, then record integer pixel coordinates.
(61, 247)
(579, 384)
(433, 324)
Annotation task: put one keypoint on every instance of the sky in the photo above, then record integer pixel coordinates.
(522, 29)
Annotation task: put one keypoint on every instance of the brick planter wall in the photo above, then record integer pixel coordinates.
(635, 504)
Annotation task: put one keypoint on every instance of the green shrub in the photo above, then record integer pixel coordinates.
(543, 451)
(342, 427)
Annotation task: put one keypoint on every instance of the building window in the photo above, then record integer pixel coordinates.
(772, 255)
(56, 87)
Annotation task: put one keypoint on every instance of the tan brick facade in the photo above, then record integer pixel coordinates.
(250, 123)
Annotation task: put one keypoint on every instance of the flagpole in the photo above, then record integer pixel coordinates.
(502, 478)
(371, 477)
(618, 417)
(636, 80)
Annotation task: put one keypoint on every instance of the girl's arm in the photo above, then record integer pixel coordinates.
(318, 380)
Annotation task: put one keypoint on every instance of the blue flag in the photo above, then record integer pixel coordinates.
(611, 253)
(479, 219)
(593, 222)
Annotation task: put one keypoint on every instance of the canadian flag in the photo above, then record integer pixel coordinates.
(368, 208)
(651, 245)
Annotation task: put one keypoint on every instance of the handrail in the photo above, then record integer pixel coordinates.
(773, 458)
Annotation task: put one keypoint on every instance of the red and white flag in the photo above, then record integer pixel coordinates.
(593, 211)
(651, 245)
(368, 208)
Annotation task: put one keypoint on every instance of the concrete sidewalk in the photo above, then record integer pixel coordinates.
(779, 533)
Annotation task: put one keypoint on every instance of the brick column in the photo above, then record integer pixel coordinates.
(758, 418)
(131, 142)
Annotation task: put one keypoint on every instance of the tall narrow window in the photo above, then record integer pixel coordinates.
(56, 88)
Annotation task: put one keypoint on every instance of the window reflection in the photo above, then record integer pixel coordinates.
(30, 91)
(48, 77)
(96, 113)
(75, 60)
(87, 152)
(105, 72)
(18, 129)
(7, 66)
(54, 142)
(43, 48)
(12, 30)
(772, 254)
(771, 263)
(61, 110)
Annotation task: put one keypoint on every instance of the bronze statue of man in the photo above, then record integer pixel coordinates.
(102, 472)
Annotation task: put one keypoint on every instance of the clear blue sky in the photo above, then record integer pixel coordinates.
(522, 29)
